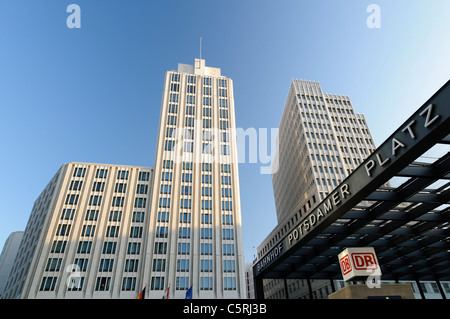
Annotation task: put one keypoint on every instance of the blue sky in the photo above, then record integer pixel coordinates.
(94, 94)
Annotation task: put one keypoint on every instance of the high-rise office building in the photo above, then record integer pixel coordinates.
(321, 141)
(7, 257)
(86, 236)
(195, 226)
(109, 231)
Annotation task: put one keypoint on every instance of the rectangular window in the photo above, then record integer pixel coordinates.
(226, 180)
(229, 266)
(101, 173)
(186, 177)
(79, 172)
(207, 148)
(48, 284)
(122, 174)
(227, 205)
(112, 231)
(185, 203)
(118, 201)
(182, 264)
(223, 102)
(84, 247)
(228, 250)
(206, 191)
(206, 178)
(206, 233)
(135, 232)
(206, 123)
(138, 217)
(159, 264)
(184, 248)
(88, 230)
(134, 248)
(75, 185)
(115, 216)
(166, 176)
(142, 189)
(106, 265)
(186, 190)
(164, 202)
(63, 230)
(76, 284)
(91, 215)
(229, 283)
(206, 249)
(140, 202)
(120, 188)
(228, 234)
(144, 176)
(206, 218)
(98, 186)
(206, 283)
(109, 247)
(67, 214)
(129, 284)
(102, 283)
(206, 265)
(82, 263)
(182, 283)
(207, 204)
(131, 265)
(161, 231)
(157, 283)
(184, 232)
(160, 248)
(188, 147)
(53, 264)
(227, 219)
(71, 199)
(163, 217)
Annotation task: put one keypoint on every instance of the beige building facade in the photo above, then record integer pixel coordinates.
(86, 235)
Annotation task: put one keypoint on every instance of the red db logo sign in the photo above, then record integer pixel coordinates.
(346, 265)
(358, 262)
(364, 261)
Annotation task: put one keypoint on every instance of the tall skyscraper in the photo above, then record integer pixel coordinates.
(196, 234)
(321, 141)
(86, 235)
(109, 231)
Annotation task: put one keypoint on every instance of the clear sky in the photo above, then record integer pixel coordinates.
(93, 94)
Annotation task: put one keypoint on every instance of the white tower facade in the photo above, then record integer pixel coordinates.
(196, 233)
(321, 141)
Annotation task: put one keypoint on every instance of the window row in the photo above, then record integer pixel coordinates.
(84, 247)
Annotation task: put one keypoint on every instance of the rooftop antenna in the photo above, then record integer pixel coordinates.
(200, 48)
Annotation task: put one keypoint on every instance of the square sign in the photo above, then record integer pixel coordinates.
(357, 263)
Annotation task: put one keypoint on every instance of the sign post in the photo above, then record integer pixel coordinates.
(358, 263)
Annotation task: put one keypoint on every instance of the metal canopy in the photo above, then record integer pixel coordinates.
(408, 225)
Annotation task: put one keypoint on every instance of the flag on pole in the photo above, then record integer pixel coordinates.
(141, 295)
(188, 293)
(166, 295)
